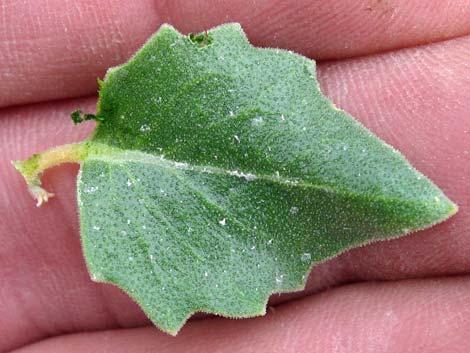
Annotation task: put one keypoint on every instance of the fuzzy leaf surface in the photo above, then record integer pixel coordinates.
(219, 174)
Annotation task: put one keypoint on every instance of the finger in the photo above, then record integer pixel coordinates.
(51, 50)
(330, 29)
(416, 315)
(53, 232)
(57, 49)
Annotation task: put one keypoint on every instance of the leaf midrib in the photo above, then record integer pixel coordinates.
(111, 154)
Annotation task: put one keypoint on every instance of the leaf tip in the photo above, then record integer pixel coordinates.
(230, 31)
(438, 209)
(452, 209)
(445, 206)
(167, 28)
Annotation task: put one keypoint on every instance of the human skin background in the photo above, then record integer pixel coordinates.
(401, 67)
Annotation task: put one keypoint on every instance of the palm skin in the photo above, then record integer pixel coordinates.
(400, 67)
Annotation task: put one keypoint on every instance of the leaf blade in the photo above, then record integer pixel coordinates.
(228, 116)
(226, 262)
(219, 174)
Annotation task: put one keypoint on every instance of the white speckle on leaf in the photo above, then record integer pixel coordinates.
(128, 221)
(153, 58)
(294, 210)
(96, 228)
(437, 199)
(157, 100)
(236, 138)
(180, 165)
(247, 176)
(129, 183)
(206, 274)
(145, 128)
(231, 113)
(90, 189)
(253, 247)
(257, 121)
(223, 222)
(151, 257)
(305, 257)
(123, 232)
(283, 118)
(130, 258)
(144, 227)
(270, 241)
(279, 279)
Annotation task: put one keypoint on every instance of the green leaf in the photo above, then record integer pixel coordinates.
(218, 174)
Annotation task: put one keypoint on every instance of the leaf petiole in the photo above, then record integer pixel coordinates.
(33, 167)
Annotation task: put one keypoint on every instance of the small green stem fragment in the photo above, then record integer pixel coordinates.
(33, 167)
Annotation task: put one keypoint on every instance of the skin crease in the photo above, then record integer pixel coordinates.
(410, 294)
(55, 49)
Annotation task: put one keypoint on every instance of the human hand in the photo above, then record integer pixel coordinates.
(410, 294)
